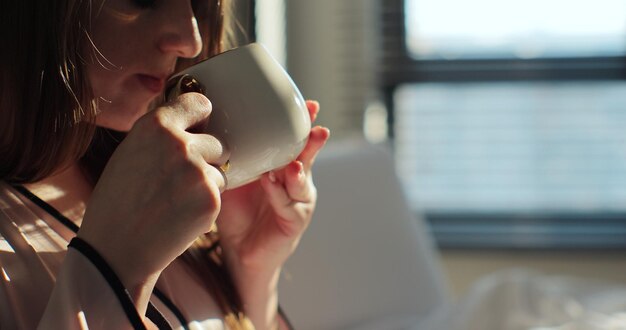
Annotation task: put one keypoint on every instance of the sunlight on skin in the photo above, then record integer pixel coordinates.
(126, 17)
(50, 192)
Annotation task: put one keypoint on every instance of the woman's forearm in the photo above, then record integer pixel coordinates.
(259, 295)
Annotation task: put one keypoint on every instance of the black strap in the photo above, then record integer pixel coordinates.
(282, 314)
(107, 272)
(170, 304)
(47, 207)
(155, 315)
(152, 313)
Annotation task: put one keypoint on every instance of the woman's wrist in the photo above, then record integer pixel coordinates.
(138, 285)
(258, 289)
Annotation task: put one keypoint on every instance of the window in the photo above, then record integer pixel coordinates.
(449, 29)
(509, 119)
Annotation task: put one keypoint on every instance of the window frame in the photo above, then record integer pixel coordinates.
(561, 231)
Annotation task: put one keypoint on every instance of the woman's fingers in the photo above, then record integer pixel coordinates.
(182, 118)
(286, 206)
(314, 108)
(208, 147)
(296, 183)
(317, 138)
(287, 187)
(185, 112)
(293, 183)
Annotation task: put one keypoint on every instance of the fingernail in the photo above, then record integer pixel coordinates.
(272, 176)
(300, 169)
(323, 129)
(327, 134)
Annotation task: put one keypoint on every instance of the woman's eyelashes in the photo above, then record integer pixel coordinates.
(144, 3)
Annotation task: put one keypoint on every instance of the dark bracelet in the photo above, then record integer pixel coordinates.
(114, 282)
(281, 313)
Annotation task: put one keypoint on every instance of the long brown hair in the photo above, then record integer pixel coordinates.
(47, 110)
(47, 107)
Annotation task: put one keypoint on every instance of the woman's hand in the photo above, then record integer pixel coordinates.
(262, 222)
(158, 192)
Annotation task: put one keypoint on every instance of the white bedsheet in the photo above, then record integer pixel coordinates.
(524, 299)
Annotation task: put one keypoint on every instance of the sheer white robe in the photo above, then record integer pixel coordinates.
(34, 260)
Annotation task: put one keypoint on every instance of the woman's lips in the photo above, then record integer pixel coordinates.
(152, 83)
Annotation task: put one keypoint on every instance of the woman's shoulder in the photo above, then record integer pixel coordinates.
(30, 255)
(6, 206)
(24, 225)
(13, 208)
(10, 203)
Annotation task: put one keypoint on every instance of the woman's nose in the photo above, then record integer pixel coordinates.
(179, 32)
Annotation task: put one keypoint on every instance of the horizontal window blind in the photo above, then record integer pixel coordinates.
(525, 147)
(330, 54)
(508, 152)
(515, 165)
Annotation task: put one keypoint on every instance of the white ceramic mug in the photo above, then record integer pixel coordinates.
(258, 111)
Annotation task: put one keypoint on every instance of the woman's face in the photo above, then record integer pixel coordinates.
(136, 46)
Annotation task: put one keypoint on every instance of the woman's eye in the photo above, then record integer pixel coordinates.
(144, 3)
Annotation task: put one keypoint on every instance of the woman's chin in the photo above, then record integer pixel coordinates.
(119, 123)
(121, 118)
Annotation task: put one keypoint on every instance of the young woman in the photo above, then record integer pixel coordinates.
(92, 156)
